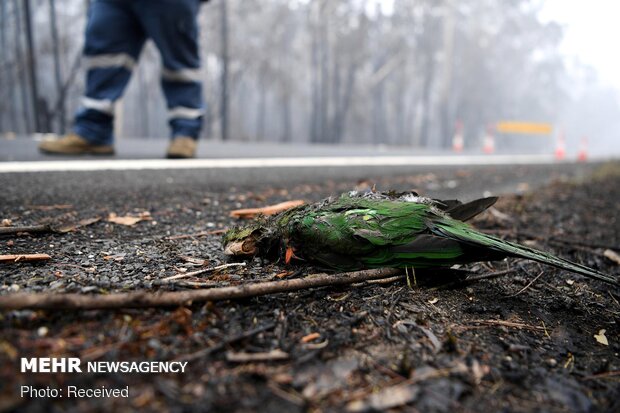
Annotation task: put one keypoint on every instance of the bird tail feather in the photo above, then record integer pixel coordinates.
(467, 234)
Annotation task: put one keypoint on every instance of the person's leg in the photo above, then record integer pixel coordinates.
(114, 39)
(173, 26)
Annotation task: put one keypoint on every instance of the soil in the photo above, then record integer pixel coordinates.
(521, 342)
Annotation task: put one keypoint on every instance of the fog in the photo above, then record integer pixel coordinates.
(407, 73)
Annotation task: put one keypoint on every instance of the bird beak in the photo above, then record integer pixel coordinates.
(245, 247)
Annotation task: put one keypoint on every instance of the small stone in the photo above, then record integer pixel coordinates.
(56, 284)
(154, 344)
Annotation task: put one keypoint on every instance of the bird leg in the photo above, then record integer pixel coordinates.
(411, 278)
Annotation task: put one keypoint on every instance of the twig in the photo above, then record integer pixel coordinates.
(49, 207)
(384, 281)
(603, 375)
(33, 229)
(289, 395)
(23, 258)
(205, 352)
(244, 357)
(204, 270)
(528, 285)
(190, 284)
(613, 298)
(141, 299)
(48, 229)
(471, 280)
(197, 234)
(504, 323)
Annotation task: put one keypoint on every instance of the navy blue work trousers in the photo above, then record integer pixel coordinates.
(115, 35)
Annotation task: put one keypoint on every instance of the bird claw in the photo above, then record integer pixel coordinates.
(289, 255)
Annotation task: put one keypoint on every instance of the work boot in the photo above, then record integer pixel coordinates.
(73, 144)
(182, 147)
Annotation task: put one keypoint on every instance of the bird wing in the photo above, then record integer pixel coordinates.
(374, 233)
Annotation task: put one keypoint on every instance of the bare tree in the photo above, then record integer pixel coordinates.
(319, 71)
(61, 115)
(20, 63)
(224, 69)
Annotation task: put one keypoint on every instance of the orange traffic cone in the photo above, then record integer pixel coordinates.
(560, 148)
(582, 155)
(488, 146)
(457, 141)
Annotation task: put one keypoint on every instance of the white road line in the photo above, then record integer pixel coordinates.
(162, 164)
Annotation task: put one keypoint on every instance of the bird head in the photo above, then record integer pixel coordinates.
(244, 241)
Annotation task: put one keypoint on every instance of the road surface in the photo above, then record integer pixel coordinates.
(138, 169)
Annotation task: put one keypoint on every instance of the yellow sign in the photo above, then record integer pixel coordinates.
(527, 128)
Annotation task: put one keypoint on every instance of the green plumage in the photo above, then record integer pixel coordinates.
(373, 230)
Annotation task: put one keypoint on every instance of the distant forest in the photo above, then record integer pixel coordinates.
(322, 71)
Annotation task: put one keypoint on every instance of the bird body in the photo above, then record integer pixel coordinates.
(374, 229)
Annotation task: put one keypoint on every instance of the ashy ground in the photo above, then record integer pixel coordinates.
(534, 339)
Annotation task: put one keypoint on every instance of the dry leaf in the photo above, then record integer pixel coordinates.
(268, 210)
(284, 274)
(82, 223)
(129, 220)
(612, 255)
(600, 337)
(433, 301)
(6, 223)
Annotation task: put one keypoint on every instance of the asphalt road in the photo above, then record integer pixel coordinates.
(97, 187)
(138, 171)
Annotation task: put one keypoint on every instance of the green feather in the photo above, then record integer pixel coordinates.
(389, 230)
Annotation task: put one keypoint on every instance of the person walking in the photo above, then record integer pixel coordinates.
(115, 35)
